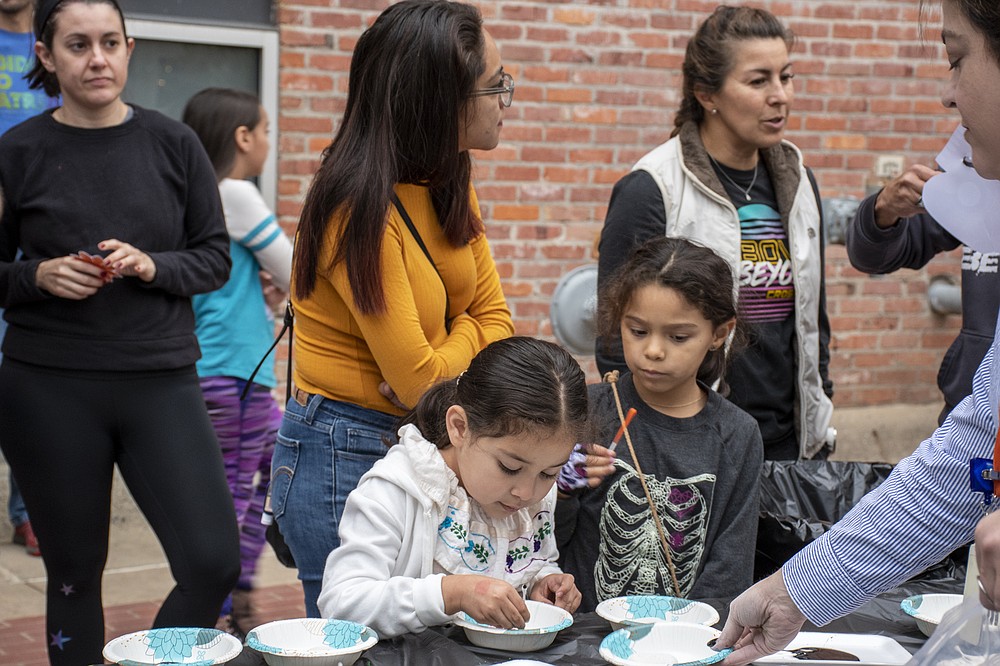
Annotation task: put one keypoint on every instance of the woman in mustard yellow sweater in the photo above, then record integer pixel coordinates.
(393, 284)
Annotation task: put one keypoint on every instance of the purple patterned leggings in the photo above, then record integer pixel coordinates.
(247, 431)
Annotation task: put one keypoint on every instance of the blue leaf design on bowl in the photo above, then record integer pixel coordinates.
(171, 644)
(619, 644)
(911, 605)
(340, 634)
(656, 607)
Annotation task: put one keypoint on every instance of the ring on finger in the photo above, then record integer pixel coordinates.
(982, 589)
(920, 202)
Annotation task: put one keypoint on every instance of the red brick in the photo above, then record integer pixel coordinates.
(840, 10)
(331, 19)
(514, 212)
(570, 95)
(543, 33)
(858, 31)
(371, 5)
(574, 16)
(312, 83)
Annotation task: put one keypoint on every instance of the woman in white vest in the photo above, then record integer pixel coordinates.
(727, 179)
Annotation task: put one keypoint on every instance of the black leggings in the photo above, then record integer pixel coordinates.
(63, 432)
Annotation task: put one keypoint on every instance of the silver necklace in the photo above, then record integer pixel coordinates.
(746, 192)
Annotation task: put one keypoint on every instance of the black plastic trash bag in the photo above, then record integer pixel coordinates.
(799, 500)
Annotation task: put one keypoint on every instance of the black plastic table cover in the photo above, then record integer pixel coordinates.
(579, 644)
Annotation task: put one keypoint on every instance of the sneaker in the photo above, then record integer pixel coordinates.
(25, 536)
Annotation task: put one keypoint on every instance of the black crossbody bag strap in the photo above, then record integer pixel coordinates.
(420, 241)
(287, 324)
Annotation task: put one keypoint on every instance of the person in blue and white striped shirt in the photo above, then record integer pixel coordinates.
(925, 508)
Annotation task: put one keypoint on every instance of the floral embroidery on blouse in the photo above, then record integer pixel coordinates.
(475, 550)
(469, 541)
(522, 548)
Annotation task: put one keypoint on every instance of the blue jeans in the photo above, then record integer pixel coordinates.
(323, 449)
(15, 505)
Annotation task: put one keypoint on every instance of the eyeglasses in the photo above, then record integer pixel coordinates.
(505, 90)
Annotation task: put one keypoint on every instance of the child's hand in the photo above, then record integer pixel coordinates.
(558, 590)
(587, 467)
(486, 600)
(273, 296)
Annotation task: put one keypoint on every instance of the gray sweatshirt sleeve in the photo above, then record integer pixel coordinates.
(910, 243)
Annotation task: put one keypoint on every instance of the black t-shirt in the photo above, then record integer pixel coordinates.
(762, 377)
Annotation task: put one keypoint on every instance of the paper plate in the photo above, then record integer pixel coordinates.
(538, 633)
(173, 645)
(311, 642)
(928, 609)
(664, 643)
(640, 609)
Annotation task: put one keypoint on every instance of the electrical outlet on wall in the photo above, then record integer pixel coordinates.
(888, 166)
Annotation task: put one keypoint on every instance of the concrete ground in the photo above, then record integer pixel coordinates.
(137, 570)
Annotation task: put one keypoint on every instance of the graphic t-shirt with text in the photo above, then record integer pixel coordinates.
(762, 377)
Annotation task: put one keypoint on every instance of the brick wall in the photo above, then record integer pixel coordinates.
(597, 86)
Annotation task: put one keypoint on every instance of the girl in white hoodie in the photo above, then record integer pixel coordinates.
(458, 516)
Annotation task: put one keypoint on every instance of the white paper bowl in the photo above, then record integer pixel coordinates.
(928, 609)
(662, 643)
(173, 645)
(639, 609)
(311, 642)
(539, 631)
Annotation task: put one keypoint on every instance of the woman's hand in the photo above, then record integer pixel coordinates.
(128, 260)
(559, 590)
(486, 600)
(902, 196)
(69, 277)
(391, 396)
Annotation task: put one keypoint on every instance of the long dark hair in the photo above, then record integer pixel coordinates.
(984, 15)
(513, 386)
(411, 75)
(46, 15)
(215, 114)
(708, 58)
(697, 273)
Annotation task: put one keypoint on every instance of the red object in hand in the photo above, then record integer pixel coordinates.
(107, 272)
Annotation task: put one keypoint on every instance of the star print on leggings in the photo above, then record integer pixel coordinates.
(58, 640)
(67, 589)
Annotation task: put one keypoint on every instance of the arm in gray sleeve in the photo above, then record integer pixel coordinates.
(910, 243)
